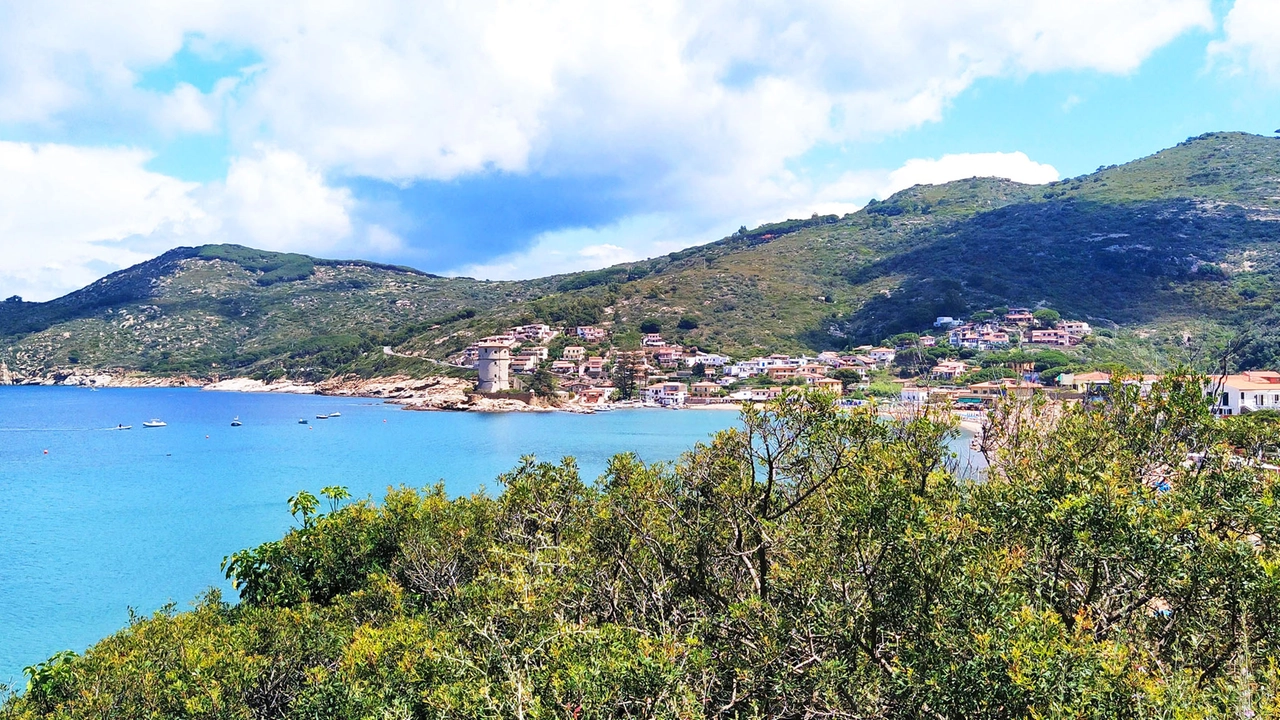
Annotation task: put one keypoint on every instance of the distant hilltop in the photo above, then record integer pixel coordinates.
(1172, 258)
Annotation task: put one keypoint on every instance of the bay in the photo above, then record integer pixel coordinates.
(107, 520)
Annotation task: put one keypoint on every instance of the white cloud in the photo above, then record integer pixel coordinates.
(59, 203)
(273, 199)
(564, 251)
(699, 107)
(69, 215)
(1014, 166)
(1251, 38)
(648, 236)
(691, 90)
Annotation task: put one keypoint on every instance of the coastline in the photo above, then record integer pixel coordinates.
(431, 393)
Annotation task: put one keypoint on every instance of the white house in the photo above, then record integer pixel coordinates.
(667, 394)
(883, 355)
(915, 395)
(1246, 392)
(707, 360)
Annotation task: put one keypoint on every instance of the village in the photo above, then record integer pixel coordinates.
(964, 364)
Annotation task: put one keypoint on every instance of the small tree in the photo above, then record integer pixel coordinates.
(335, 494)
(303, 504)
(624, 379)
(650, 326)
(1047, 317)
(542, 383)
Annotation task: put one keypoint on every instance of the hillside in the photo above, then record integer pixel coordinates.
(1175, 254)
(226, 309)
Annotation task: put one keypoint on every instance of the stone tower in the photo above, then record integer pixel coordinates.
(494, 366)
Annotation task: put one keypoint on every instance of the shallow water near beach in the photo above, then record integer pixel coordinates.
(109, 520)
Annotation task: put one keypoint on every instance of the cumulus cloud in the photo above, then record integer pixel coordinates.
(274, 199)
(1251, 38)
(657, 234)
(62, 207)
(1014, 166)
(699, 108)
(564, 251)
(402, 91)
(69, 215)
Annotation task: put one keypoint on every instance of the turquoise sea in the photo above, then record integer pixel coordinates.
(109, 520)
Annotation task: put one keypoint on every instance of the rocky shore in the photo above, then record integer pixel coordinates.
(98, 378)
(429, 393)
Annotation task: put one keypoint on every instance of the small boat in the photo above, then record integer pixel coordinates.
(303, 421)
(322, 416)
(122, 427)
(235, 422)
(335, 414)
(154, 423)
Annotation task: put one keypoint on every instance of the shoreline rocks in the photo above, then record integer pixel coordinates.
(427, 394)
(250, 385)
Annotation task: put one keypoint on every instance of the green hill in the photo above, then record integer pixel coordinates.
(1175, 254)
(234, 310)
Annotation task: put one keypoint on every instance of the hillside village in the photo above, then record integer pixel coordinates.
(963, 363)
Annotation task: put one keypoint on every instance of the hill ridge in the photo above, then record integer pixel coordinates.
(1192, 251)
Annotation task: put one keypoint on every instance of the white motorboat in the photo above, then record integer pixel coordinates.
(235, 422)
(335, 414)
(153, 423)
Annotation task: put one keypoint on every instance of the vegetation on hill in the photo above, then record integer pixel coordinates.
(1176, 255)
(230, 310)
(1175, 266)
(810, 563)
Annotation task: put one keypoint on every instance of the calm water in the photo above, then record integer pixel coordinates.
(109, 520)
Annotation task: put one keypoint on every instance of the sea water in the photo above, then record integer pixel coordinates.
(95, 521)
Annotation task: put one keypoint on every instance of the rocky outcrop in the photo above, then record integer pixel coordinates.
(101, 378)
(429, 393)
(254, 386)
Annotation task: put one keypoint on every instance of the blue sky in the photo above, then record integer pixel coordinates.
(513, 141)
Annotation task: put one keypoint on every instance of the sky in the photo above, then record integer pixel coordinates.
(508, 140)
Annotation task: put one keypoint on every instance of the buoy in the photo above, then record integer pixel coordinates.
(46, 452)
(206, 437)
(384, 421)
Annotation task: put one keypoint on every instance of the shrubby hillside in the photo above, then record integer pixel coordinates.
(233, 310)
(1175, 254)
(809, 563)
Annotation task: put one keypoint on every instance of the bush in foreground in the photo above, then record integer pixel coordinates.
(810, 563)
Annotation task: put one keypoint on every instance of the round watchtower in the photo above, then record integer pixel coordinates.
(494, 365)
